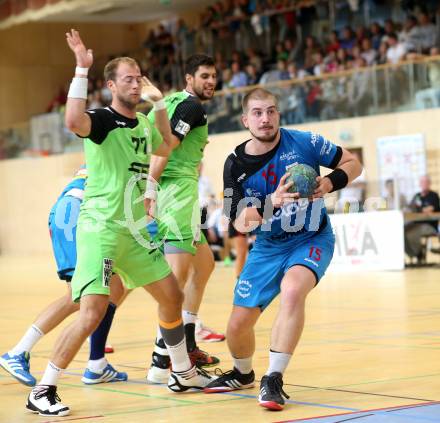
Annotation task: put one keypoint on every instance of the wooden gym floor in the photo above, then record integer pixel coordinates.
(370, 352)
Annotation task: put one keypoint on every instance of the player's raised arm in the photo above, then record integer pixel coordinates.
(155, 96)
(76, 119)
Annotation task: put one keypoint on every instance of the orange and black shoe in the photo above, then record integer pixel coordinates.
(202, 358)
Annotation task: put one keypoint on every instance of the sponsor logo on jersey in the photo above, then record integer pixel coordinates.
(182, 127)
(314, 138)
(290, 155)
(120, 123)
(326, 147)
(250, 192)
(311, 261)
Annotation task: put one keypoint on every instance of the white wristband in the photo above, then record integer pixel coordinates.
(150, 194)
(159, 105)
(78, 88)
(81, 71)
(151, 189)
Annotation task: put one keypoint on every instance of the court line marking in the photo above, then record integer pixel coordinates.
(73, 418)
(380, 410)
(355, 392)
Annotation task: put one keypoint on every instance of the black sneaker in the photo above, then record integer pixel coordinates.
(231, 381)
(159, 371)
(45, 401)
(271, 392)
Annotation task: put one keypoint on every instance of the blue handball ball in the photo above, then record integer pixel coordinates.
(304, 179)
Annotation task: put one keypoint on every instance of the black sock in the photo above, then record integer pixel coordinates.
(190, 334)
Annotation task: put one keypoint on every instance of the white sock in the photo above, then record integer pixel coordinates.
(278, 362)
(97, 366)
(180, 361)
(189, 317)
(30, 338)
(51, 375)
(243, 365)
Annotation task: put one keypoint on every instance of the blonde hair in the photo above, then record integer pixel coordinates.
(112, 66)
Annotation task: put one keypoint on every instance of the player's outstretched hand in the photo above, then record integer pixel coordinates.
(324, 187)
(282, 195)
(84, 57)
(149, 91)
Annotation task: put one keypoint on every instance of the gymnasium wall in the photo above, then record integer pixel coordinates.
(29, 187)
(35, 62)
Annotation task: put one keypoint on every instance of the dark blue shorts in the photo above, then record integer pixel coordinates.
(62, 228)
(260, 281)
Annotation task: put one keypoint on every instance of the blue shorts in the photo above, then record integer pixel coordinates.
(62, 227)
(260, 281)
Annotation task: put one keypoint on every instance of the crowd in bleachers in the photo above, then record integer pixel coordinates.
(264, 41)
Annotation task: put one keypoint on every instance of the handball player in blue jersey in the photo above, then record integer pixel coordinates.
(63, 219)
(294, 239)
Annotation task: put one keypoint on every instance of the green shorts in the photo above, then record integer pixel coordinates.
(101, 253)
(178, 214)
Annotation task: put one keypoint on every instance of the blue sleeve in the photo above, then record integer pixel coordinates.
(323, 150)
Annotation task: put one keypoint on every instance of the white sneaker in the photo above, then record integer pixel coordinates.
(194, 378)
(44, 400)
(159, 371)
(157, 375)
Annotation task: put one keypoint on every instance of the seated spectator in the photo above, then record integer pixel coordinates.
(408, 34)
(396, 50)
(368, 53)
(425, 34)
(425, 201)
(333, 44)
(376, 35)
(348, 40)
(239, 78)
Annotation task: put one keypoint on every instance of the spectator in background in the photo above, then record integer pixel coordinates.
(396, 50)
(425, 201)
(348, 40)
(393, 203)
(376, 35)
(408, 35)
(239, 78)
(368, 53)
(425, 34)
(333, 44)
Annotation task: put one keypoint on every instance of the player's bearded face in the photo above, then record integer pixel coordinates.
(262, 120)
(128, 86)
(203, 83)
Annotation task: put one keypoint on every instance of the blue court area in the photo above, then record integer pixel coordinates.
(426, 412)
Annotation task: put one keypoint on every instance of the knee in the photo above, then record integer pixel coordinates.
(174, 300)
(90, 318)
(69, 304)
(293, 297)
(238, 325)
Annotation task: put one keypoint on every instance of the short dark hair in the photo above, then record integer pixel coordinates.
(112, 66)
(192, 63)
(257, 94)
